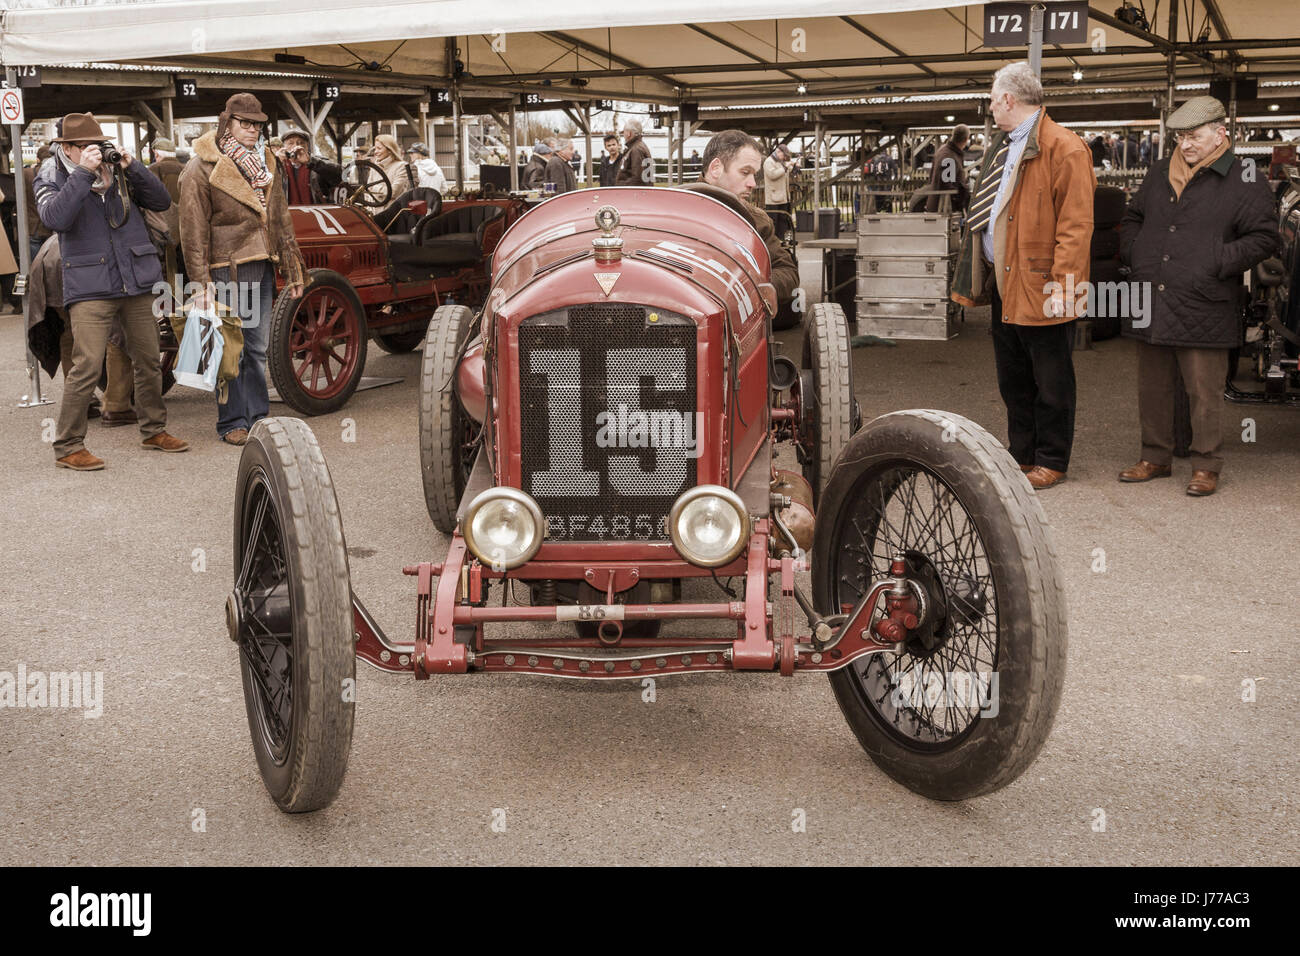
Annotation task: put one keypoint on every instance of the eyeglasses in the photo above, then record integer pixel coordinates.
(248, 124)
(81, 145)
(1203, 132)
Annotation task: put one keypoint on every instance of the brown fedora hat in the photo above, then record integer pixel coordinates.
(80, 128)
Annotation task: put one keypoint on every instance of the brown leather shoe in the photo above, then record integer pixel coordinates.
(1144, 471)
(112, 419)
(80, 461)
(164, 442)
(94, 410)
(1027, 468)
(1203, 483)
(237, 436)
(1041, 477)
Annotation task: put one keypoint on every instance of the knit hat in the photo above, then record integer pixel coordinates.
(1197, 111)
(418, 148)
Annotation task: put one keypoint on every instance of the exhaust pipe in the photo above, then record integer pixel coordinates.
(610, 632)
(797, 516)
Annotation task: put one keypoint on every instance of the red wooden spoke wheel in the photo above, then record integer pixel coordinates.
(317, 349)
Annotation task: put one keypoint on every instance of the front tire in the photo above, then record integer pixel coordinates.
(940, 490)
(447, 433)
(291, 615)
(826, 403)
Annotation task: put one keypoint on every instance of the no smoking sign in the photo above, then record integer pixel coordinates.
(11, 106)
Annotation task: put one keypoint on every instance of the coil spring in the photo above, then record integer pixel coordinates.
(545, 593)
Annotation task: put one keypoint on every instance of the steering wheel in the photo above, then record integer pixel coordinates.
(728, 199)
(364, 184)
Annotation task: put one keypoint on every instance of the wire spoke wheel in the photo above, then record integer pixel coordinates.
(266, 647)
(909, 511)
(290, 614)
(967, 703)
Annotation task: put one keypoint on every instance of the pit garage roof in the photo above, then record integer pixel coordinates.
(869, 61)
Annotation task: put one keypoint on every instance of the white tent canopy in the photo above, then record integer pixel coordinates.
(48, 32)
(722, 53)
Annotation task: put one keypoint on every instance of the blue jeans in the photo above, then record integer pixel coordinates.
(251, 298)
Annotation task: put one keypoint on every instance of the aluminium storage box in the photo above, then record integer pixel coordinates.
(906, 319)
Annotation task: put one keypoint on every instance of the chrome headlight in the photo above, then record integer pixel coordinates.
(709, 526)
(503, 528)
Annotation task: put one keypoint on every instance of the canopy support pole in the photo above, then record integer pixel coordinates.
(818, 138)
(34, 396)
(586, 133)
(514, 149)
(1036, 38)
(169, 120)
(1171, 70)
(458, 137)
(295, 109)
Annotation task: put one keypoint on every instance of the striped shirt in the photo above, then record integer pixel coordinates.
(1018, 137)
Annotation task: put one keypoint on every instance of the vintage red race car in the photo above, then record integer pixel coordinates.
(605, 438)
(377, 267)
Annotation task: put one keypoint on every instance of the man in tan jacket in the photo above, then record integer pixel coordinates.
(235, 230)
(1026, 252)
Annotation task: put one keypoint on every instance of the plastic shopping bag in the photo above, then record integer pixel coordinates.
(199, 357)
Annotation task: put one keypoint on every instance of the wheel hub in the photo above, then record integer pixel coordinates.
(933, 630)
(235, 615)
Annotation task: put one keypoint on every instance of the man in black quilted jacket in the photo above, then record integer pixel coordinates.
(1201, 218)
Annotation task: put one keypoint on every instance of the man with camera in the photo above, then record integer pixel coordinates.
(308, 179)
(92, 196)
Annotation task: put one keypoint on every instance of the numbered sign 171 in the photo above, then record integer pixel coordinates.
(1007, 24)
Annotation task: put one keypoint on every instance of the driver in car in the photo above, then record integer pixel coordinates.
(731, 161)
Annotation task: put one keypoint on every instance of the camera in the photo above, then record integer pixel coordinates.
(110, 153)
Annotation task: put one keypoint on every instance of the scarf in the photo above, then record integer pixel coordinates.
(1180, 174)
(103, 181)
(251, 163)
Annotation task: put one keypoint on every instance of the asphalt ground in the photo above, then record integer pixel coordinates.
(1154, 758)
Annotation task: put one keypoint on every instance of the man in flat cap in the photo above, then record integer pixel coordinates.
(1201, 218)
